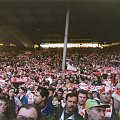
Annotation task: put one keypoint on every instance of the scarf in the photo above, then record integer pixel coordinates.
(108, 111)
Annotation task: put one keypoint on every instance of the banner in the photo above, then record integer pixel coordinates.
(24, 79)
(71, 67)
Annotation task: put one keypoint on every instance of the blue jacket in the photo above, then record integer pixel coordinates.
(24, 100)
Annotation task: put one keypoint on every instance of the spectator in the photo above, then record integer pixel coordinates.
(51, 93)
(27, 112)
(95, 110)
(5, 114)
(116, 96)
(96, 80)
(60, 93)
(70, 111)
(105, 97)
(45, 109)
(82, 97)
(13, 102)
(57, 105)
(22, 97)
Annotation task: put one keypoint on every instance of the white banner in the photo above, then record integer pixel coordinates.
(70, 67)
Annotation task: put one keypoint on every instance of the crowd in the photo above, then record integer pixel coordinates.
(34, 87)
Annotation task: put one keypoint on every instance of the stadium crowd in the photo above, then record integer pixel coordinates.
(34, 87)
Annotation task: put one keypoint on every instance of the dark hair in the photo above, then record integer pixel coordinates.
(43, 92)
(83, 92)
(10, 88)
(51, 89)
(71, 95)
(60, 89)
(57, 97)
(24, 90)
(4, 97)
(73, 90)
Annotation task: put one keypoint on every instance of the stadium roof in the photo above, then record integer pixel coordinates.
(39, 21)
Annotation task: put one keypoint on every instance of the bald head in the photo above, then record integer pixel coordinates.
(29, 112)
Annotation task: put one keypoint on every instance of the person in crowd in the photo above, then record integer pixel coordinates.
(82, 97)
(95, 110)
(96, 80)
(13, 102)
(56, 101)
(68, 83)
(45, 109)
(33, 67)
(51, 93)
(105, 97)
(30, 96)
(70, 111)
(27, 112)
(57, 105)
(22, 97)
(60, 93)
(35, 88)
(64, 98)
(5, 114)
(95, 94)
(59, 83)
(116, 98)
(117, 78)
(90, 95)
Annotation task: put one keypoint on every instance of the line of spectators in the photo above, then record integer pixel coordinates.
(35, 77)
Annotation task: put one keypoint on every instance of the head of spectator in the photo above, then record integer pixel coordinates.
(64, 98)
(60, 93)
(56, 101)
(95, 93)
(36, 87)
(11, 91)
(4, 113)
(41, 97)
(3, 103)
(27, 112)
(44, 107)
(22, 90)
(71, 110)
(68, 83)
(71, 103)
(90, 96)
(5, 94)
(117, 78)
(116, 96)
(96, 80)
(95, 77)
(82, 97)
(105, 94)
(95, 109)
(59, 82)
(51, 92)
